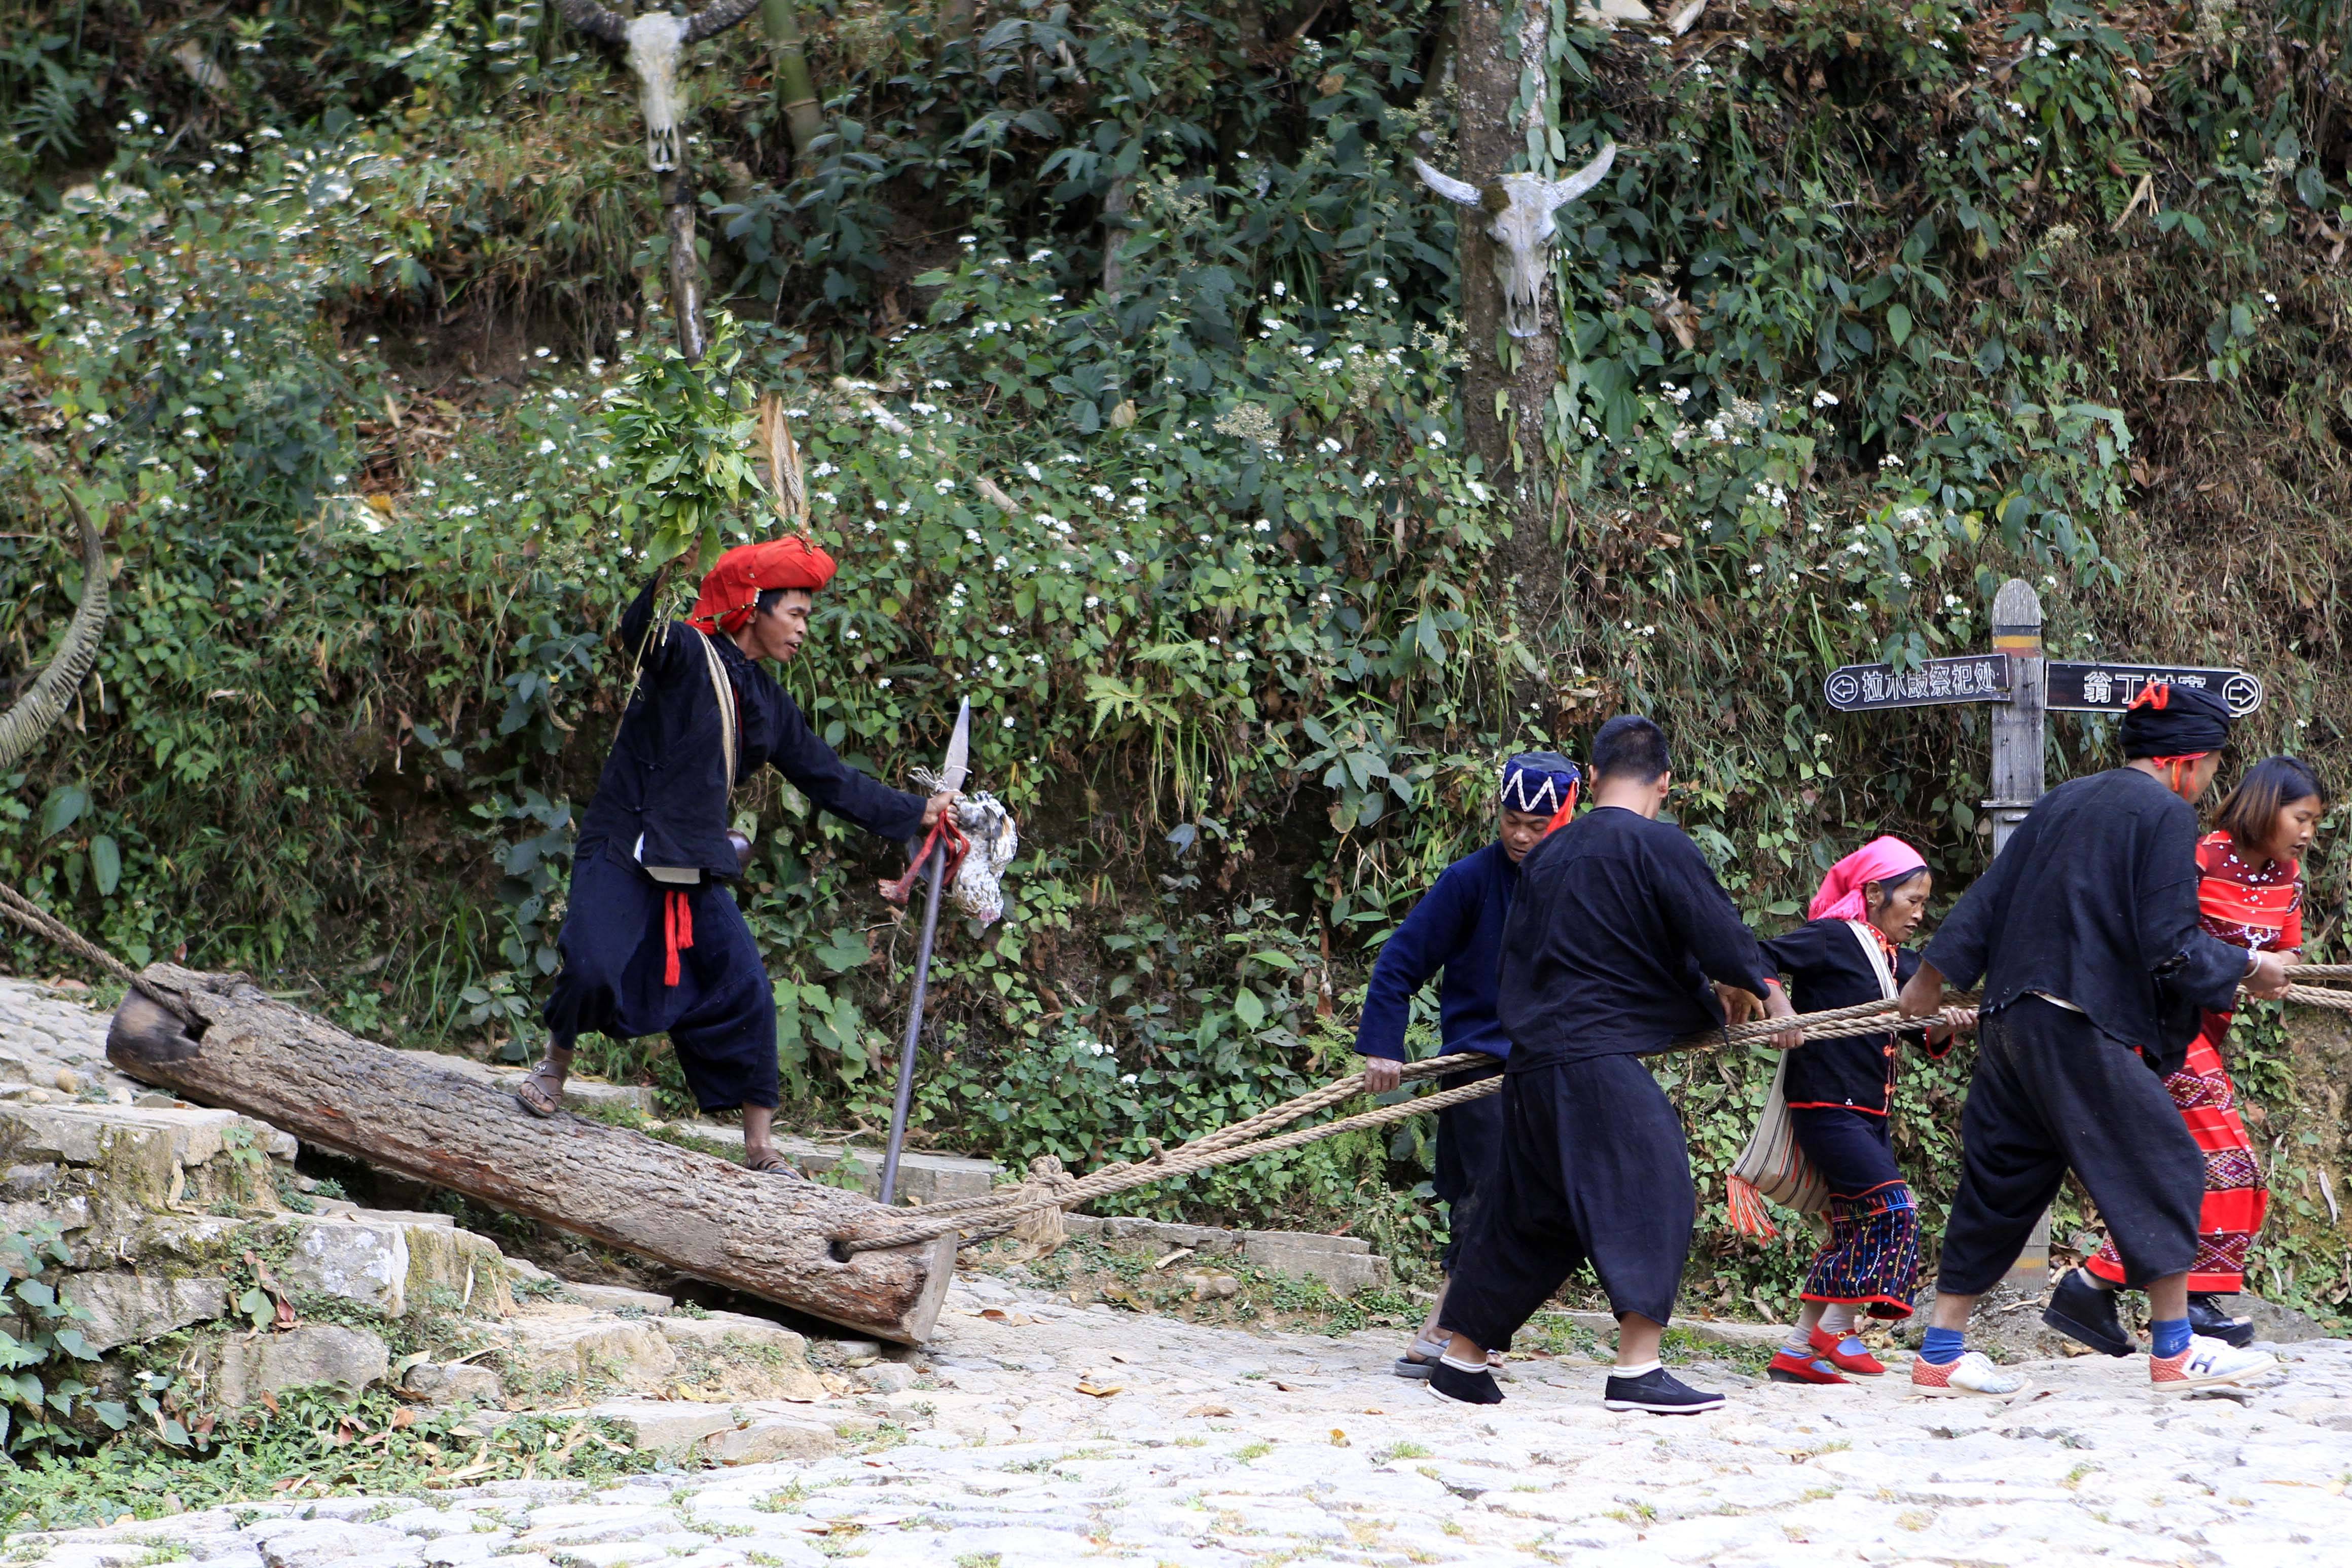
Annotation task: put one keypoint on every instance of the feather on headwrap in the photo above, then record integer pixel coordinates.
(731, 589)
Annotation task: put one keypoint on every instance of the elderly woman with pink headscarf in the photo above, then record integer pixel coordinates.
(1840, 1095)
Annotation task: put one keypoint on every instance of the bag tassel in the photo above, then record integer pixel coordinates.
(1746, 1207)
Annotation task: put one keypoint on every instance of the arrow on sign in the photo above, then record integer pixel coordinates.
(2101, 688)
(1970, 678)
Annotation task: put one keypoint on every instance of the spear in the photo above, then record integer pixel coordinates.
(951, 776)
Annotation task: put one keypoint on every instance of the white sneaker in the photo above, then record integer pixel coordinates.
(2206, 1362)
(1974, 1372)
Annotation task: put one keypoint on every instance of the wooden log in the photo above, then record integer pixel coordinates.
(768, 1235)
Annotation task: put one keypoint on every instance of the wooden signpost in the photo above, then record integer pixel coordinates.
(2023, 685)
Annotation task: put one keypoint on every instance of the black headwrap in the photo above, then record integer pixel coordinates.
(2169, 720)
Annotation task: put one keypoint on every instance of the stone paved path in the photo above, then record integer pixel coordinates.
(1223, 1446)
(53, 1048)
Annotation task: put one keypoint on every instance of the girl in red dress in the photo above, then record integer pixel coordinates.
(2249, 891)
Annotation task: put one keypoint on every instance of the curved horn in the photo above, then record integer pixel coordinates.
(1565, 191)
(594, 20)
(1446, 185)
(42, 706)
(715, 20)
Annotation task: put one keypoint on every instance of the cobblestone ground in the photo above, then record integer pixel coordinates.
(53, 1048)
(1222, 1447)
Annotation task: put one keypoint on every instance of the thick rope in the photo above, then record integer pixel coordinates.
(1833, 1023)
(994, 1213)
(40, 922)
(924, 1225)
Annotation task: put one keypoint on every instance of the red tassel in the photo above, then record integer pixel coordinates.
(1565, 815)
(677, 927)
(1746, 1208)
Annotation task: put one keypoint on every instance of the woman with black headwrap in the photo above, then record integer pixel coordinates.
(2085, 932)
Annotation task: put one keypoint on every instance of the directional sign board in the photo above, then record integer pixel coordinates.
(2101, 688)
(1970, 678)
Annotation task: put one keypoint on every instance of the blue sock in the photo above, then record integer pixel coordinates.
(2169, 1336)
(1943, 1346)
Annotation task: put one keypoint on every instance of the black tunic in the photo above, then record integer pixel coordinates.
(664, 788)
(1617, 927)
(667, 780)
(1826, 968)
(2094, 902)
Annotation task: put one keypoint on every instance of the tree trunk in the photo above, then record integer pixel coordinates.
(795, 90)
(771, 1235)
(685, 262)
(1116, 202)
(1507, 387)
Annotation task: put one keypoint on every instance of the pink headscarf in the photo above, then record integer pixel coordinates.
(1840, 897)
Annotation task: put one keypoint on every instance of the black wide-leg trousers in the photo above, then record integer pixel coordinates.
(1594, 1168)
(2049, 1095)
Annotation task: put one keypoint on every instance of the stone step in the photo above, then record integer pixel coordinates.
(580, 1094)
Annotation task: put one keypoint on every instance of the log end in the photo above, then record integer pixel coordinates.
(145, 1036)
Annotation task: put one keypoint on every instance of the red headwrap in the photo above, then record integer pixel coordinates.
(732, 589)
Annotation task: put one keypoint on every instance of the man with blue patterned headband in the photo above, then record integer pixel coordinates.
(1457, 928)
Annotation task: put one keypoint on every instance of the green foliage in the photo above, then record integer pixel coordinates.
(679, 433)
(318, 1442)
(45, 1403)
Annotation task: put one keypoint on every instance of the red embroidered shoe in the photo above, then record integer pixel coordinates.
(1787, 1366)
(1972, 1374)
(1858, 1361)
(2206, 1362)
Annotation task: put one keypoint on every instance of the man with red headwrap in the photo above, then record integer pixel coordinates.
(653, 942)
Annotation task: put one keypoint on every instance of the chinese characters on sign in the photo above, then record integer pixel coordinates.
(1974, 678)
(2109, 688)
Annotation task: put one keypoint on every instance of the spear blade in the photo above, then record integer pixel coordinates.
(957, 766)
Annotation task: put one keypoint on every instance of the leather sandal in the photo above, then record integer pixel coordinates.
(541, 1093)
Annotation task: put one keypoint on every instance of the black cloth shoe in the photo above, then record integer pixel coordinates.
(1659, 1392)
(2086, 1314)
(2206, 1317)
(1448, 1381)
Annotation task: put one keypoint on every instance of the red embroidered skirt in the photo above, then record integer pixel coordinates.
(2235, 1198)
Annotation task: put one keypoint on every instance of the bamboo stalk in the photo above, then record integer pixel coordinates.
(795, 88)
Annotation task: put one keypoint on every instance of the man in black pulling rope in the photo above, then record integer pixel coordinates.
(1617, 928)
(2095, 970)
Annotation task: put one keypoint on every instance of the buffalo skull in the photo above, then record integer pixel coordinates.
(655, 40)
(1518, 209)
